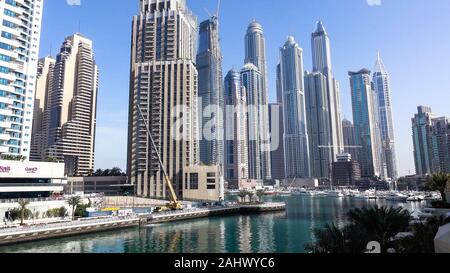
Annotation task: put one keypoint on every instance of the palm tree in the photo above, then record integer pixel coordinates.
(439, 183)
(260, 194)
(74, 202)
(23, 208)
(250, 195)
(242, 195)
(381, 224)
(333, 239)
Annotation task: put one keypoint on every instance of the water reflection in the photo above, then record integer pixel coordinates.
(283, 232)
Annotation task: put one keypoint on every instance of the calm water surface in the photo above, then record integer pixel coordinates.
(285, 232)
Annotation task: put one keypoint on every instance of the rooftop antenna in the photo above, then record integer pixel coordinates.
(51, 48)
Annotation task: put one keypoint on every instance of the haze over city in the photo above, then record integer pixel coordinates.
(413, 47)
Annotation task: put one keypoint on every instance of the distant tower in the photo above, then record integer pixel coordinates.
(210, 93)
(382, 91)
(350, 139)
(257, 96)
(276, 127)
(257, 124)
(422, 138)
(321, 54)
(296, 147)
(68, 122)
(319, 125)
(365, 117)
(236, 141)
(44, 84)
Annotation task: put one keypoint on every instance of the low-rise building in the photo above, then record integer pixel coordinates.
(106, 185)
(28, 180)
(203, 183)
(41, 183)
(345, 172)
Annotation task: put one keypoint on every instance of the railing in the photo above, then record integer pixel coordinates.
(43, 227)
(5, 201)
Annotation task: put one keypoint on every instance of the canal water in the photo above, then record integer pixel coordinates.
(282, 232)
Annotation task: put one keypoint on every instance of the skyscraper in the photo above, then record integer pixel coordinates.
(319, 125)
(68, 123)
(321, 54)
(210, 92)
(440, 141)
(236, 141)
(349, 139)
(19, 49)
(254, 76)
(257, 124)
(382, 91)
(276, 128)
(431, 138)
(364, 103)
(41, 117)
(255, 51)
(422, 129)
(163, 82)
(296, 146)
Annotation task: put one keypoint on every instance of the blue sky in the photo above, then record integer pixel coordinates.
(413, 37)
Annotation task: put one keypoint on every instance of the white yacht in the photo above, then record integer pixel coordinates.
(396, 196)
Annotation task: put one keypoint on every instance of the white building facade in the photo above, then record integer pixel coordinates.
(19, 49)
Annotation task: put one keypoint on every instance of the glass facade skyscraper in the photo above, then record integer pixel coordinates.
(382, 90)
(254, 79)
(365, 118)
(210, 93)
(236, 141)
(296, 146)
(19, 49)
(257, 124)
(321, 54)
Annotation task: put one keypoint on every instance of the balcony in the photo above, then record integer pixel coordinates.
(5, 137)
(5, 124)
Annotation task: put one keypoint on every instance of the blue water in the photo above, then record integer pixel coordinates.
(285, 232)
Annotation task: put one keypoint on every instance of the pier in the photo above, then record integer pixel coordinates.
(9, 236)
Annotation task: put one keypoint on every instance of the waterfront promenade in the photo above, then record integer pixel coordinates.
(46, 231)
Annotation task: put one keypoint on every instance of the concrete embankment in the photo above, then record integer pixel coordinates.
(50, 231)
(202, 213)
(36, 233)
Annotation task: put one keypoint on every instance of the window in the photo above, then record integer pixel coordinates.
(193, 181)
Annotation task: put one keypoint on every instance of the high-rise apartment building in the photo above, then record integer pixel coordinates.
(67, 107)
(257, 124)
(319, 125)
(210, 93)
(382, 90)
(163, 83)
(348, 131)
(236, 141)
(422, 129)
(365, 118)
(276, 128)
(321, 54)
(440, 141)
(296, 146)
(19, 49)
(254, 77)
(41, 106)
(431, 138)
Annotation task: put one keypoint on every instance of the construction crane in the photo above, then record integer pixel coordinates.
(174, 203)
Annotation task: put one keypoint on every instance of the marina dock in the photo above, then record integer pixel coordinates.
(17, 235)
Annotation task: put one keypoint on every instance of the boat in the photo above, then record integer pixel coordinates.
(361, 196)
(396, 197)
(335, 194)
